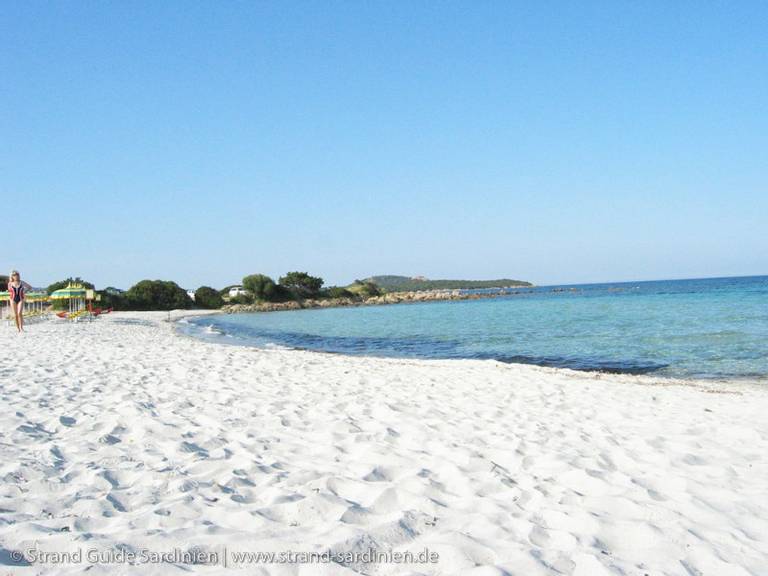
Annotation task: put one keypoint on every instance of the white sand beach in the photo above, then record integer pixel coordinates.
(122, 435)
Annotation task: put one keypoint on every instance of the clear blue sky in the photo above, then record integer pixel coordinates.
(548, 141)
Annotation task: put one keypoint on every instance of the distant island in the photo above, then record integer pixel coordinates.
(415, 284)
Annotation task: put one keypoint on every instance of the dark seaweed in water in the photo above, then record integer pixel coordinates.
(423, 346)
(585, 364)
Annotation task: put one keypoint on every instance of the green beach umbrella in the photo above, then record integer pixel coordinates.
(37, 296)
(35, 301)
(72, 291)
(30, 296)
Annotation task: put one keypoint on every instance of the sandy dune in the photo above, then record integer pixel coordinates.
(120, 435)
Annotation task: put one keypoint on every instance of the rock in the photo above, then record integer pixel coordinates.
(389, 298)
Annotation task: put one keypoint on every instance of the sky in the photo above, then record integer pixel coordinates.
(555, 142)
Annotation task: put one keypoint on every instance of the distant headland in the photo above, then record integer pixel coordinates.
(259, 292)
(378, 290)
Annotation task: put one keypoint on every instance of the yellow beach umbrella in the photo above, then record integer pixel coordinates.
(75, 293)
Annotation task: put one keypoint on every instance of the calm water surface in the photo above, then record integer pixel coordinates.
(713, 328)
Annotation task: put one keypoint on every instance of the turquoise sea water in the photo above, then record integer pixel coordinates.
(712, 328)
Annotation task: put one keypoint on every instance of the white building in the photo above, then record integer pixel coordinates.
(237, 291)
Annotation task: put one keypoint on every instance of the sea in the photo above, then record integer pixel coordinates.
(714, 328)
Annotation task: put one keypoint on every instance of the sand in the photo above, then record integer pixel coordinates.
(122, 439)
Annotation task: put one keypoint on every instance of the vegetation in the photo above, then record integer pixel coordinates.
(301, 284)
(294, 285)
(112, 298)
(336, 292)
(261, 287)
(64, 283)
(364, 288)
(207, 297)
(241, 299)
(3, 283)
(406, 284)
(157, 295)
(166, 295)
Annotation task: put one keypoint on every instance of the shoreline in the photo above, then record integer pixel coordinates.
(382, 300)
(746, 380)
(121, 432)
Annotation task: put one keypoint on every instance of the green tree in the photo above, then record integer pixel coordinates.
(64, 283)
(3, 283)
(157, 295)
(260, 286)
(302, 284)
(207, 297)
(112, 298)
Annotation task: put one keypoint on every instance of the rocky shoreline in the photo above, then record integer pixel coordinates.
(390, 298)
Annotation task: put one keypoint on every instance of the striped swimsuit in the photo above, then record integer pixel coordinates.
(16, 292)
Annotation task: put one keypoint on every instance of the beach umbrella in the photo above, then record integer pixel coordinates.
(35, 300)
(75, 293)
(71, 292)
(29, 296)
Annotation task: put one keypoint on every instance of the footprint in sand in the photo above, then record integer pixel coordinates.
(58, 458)
(35, 430)
(117, 504)
(384, 537)
(67, 421)
(191, 447)
(110, 439)
(111, 478)
(693, 460)
(379, 474)
(12, 558)
(114, 436)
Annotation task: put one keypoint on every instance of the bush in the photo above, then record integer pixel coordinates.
(365, 289)
(157, 295)
(262, 287)
(337, 292)
(3, 283)
(241, 299)
(301, 284)
(112, 299)
(207, 297)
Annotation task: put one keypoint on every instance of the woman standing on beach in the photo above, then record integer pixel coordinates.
(17, 289)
